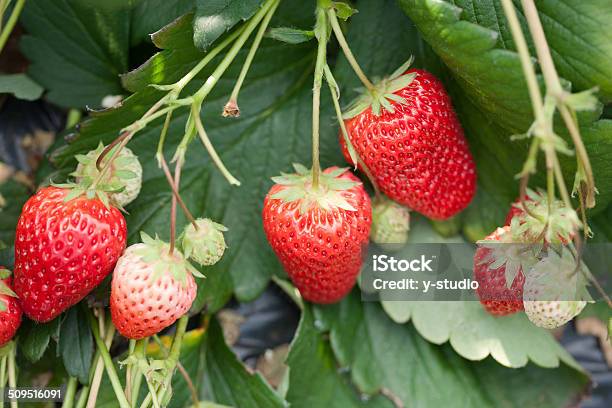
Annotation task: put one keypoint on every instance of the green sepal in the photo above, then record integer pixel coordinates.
(382, 94)
(4, 273)
(156, 252)
(343, 10)
(327, 195)
(582, 101)
(290, 35)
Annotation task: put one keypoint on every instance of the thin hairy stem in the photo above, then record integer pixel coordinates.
(10, 23)
(333, 19)
(231, 108)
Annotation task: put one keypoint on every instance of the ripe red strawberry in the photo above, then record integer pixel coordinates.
(498, 268)
(64, 248)
(408, 135)
(10, 312)
(319, 234)
(151, 289)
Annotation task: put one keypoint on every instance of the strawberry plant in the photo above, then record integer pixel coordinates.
(216, 152)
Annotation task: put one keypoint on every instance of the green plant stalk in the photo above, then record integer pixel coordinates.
(83, 397)
(152, 393)
(12, 372)
(322, 36)
(554, 88)
(543, 124)
(3, 5)
(252, 51)
(201, 94)
(3, 363)
(184, 373)
(195, 114)
(128, 371)
(10, 24)
(98, 367)
(525, 58)
(338, 109)
(140, 352)
(108, 364)
(333, 19)
(173, 358)
(70, 393)
(180, 85)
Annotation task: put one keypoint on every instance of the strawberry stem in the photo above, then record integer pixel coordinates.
(139, 352)
(347, 50)
(321, 35)
(192, 389)
(108, 362)
(231, 108)
(335, 98)
(98, 367)
(10, 23)
(195, 114)
(70, 393)
(3, 363)
(12, 371)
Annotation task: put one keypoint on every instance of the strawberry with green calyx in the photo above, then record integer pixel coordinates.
(151, 288)
(319, 233)
(65, 245)
(406, 132)
(10, 311)
(537, 224)
(123, 178)
(555, 290)
(500, 265)
(390, 222)
(206, 244)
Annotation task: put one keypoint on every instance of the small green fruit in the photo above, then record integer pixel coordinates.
(206, 244)
(390, 222)
(124, 176)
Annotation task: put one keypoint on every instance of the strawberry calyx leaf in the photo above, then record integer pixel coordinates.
(113, 181)
(383, 93)
(557, 226)
(328, 195)
(157, 253)
(509, 253)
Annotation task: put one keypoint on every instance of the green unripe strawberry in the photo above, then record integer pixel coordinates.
(206, 244)
(123, 179)
(390, 222)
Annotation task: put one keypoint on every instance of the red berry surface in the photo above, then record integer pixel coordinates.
(320, 248)
(495, 296)
(63, 250)
(10, 314)
(418, 154)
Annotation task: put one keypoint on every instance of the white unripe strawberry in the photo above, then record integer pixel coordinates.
(555, 291)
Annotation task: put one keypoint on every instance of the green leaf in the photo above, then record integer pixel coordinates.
(314, 379)
(290, 35)
(151, 15)
(76, 51)
(472, 332)
(379, 354)
(34, 337)
(254, 147)
(76, 344)
(15, 195)
(215, 17)
(227, 380)
(486, 74)
(21, 86)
